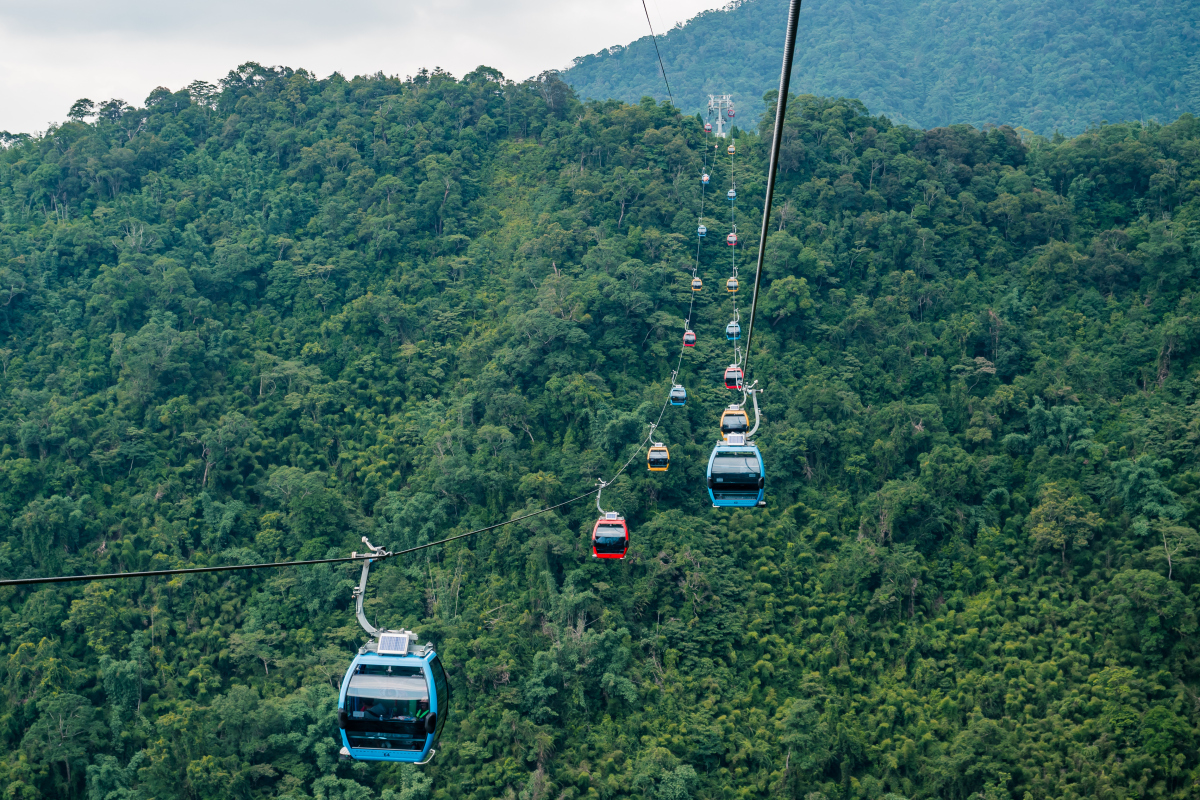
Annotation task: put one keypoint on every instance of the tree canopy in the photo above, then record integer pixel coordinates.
(259, 320)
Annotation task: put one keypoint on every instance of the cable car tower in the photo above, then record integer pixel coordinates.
(720, 106)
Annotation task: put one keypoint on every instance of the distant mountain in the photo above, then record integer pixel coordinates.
(1046, 66)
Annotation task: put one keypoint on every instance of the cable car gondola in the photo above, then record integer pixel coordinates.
(678, 395)
(704, 179)
(731, 150)
(731, 285)
(733, 331)
(734, 420)
(730, 112)
(731, 239)
(736, 477)
(733, 377)
(731, 194)
(658, 458)
(689, 338)
(610, 536)
(697, 284)
(701, 230)
(708, 127)
(394, 697)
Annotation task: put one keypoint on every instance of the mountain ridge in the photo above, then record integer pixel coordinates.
(926, 63)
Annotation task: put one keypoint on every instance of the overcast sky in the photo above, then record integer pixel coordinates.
(54, 52)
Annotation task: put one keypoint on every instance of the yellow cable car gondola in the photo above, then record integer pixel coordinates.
(731, 285)
(658, 458)
(734, 420)
(697, 284)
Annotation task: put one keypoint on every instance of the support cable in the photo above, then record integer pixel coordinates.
(228, 568)
(785, 79)
(660, 62)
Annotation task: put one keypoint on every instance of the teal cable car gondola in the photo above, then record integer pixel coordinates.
(394, 698)
(736, 477)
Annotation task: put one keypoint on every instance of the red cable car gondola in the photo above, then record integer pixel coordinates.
(610, 536)
(689, 338)
(708, 127)
(731, 240)
(731, 112)
(733, 377)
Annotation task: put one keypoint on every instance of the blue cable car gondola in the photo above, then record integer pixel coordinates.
(736, 477)
(731, 194)
(394, 698)
(678, 395)
(701, 230)
(733, 331)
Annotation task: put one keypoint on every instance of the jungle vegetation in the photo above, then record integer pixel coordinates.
(1050, 67)
(256, 321)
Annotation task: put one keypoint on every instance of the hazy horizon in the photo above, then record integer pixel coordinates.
(53, 54)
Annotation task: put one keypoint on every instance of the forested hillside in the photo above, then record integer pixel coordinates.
(1045, 66)
(260, 320)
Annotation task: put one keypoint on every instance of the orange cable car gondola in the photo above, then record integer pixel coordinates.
(658, 458)
(734, 420)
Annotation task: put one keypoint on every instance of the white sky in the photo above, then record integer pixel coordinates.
(54, 52)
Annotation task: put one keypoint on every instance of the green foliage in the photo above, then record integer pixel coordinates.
(260, 320)
(1045, 67)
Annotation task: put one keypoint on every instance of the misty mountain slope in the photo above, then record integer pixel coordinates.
(1031, 63)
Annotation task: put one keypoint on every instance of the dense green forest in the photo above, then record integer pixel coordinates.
(1050, 67)
(256, 321)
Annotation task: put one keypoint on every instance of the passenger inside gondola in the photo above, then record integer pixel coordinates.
(387, 709)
